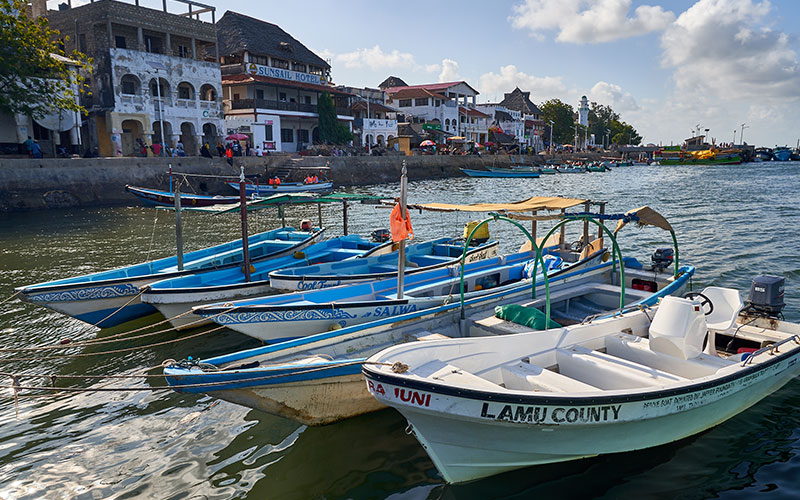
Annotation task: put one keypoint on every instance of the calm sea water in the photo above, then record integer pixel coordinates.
(733, 223)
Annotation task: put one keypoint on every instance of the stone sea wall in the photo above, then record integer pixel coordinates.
(30, 184)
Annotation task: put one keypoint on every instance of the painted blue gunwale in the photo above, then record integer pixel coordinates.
(261, 190)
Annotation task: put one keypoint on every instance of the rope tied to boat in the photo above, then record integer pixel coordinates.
(398, 367)
(11, 297)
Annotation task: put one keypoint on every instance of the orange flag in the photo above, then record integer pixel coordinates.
(401, 228)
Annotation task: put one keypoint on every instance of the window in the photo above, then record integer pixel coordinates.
(82, 42)
(152, 44)
(185, 91)
(262, 60)
(235, 97)
(129, 85)
(259, 93)
(183, 51)
(282, 96)
(314, 70)
(303, 134)
(208, 93)
(300, 67)
(287, 135)
(280, 63)
(405, 103)
(307, 99)
(268, 132)
(437, 102)
(119, 42)
(421, 102)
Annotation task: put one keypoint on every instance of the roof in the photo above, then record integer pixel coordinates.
(432, 86)
(237, 33)
(410, 93)
(373, 106)
(502, 116)
(520, 101)
(473, 112)
(392, 81)
(533, 203)
(243, 78)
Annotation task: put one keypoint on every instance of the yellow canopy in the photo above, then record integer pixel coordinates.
(647, 217)
(529, 205)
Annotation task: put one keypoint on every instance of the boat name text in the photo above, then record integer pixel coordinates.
(551, 415)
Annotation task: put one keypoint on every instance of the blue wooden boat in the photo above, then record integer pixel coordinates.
(317, 380)
(157, 197)
(420, 257)
(782, 153)
(304, 313)
(109, 298)
(502, 173)
(260, 190)
(173, 297)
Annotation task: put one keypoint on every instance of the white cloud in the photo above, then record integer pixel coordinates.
(449, 71)
(722, 46)
(613, 95)
(376, 59)
(541, 88)
(432, 68)
(586, 21)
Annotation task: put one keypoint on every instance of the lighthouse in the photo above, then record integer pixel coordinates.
(583, 117)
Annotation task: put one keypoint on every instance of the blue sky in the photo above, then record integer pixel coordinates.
(666, 66)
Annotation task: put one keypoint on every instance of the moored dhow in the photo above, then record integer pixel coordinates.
(643, 378)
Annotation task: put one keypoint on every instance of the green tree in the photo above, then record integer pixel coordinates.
(563, 117)
(330, 130)
(622, 133)
(32, 81)
(600, 119)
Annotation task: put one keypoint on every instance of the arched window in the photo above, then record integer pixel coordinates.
(185, 91)
(447, 124)
(208, 93)
(160, 89)
(130, 85)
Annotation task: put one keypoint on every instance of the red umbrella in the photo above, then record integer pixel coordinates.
(236, 137)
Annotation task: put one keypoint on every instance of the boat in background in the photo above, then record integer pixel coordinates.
(639, 379)
(500, 172)
(157, 197)
(110, 298)
(782, 153)
(259, 190)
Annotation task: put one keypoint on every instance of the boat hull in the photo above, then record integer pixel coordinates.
(286, 187)
(506, 435)
(496, 173)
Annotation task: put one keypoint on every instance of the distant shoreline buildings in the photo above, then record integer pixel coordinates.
(190, 78)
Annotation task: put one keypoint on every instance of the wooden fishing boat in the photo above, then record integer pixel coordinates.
(571, 170)
(156, 197)
(782, 153)
(420, 257)
(643, 378)
(259, 190)
(498, 172)
(175, 297)
(109, 298)
(304, 313)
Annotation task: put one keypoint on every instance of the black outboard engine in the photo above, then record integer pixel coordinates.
(662, 258)
(380, 235)
(766, 295)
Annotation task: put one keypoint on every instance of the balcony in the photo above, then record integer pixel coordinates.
(185, 103)
(282, 106)
(374, 124)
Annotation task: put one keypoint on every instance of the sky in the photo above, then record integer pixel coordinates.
(666, 67)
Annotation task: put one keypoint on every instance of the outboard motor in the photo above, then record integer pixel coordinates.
(766, 295)
(662, 258)
(380, 235)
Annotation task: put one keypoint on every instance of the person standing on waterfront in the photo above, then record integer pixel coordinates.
(220, 149)
(229, 155)
(156, 149)
(36, 151)
(29, 146)
(205, 151)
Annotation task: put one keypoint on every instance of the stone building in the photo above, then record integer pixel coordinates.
(272, 83)
(156, 75)
(534, 126)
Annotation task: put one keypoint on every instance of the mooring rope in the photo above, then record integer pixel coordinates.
(11, 297)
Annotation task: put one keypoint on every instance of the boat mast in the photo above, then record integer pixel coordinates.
(401, 254)
(243, 211)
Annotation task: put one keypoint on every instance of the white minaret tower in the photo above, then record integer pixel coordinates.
(583, 115)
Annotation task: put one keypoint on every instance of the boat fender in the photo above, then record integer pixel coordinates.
(334, 326)
(252, 268)
(299, 255)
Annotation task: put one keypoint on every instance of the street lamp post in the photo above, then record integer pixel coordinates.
(741, 135)
(157, 66)
(552, 149)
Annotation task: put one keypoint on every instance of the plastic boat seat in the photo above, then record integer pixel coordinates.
(529, 377)
(637, 349)
(678, 328)
(608, 372)
(727, 306)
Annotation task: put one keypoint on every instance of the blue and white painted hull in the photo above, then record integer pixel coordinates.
(497, 172)
(317, 380)
(175, 297)
(262, 190)
(110, 298)
(782, 154)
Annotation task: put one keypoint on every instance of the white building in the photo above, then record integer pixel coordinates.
(374, 122)
(438, 103)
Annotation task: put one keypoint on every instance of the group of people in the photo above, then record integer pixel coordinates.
(311, 179)
(159, 150)
(32, 148)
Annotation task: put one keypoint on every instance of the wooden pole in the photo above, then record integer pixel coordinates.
(602, 211)
(178, 226)
(563, 244)
(533, 230)
(319, 212)
(586, 208)
(243, 210)
(344, 214)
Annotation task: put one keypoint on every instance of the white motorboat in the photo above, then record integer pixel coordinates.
(481, 406)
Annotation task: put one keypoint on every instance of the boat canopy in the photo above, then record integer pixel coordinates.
(285, 199)
(644, 216)
(528, 205)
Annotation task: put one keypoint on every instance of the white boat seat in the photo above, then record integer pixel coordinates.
(637, 349)
(727, 306)
(529, 377)
(608, 372)
(450, 374)
(678, 328)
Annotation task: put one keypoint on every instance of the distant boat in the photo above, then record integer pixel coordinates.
(156, 197)
(782, 153)
(763, 154)
(284, 187)
(571, 170)
(498, 172)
